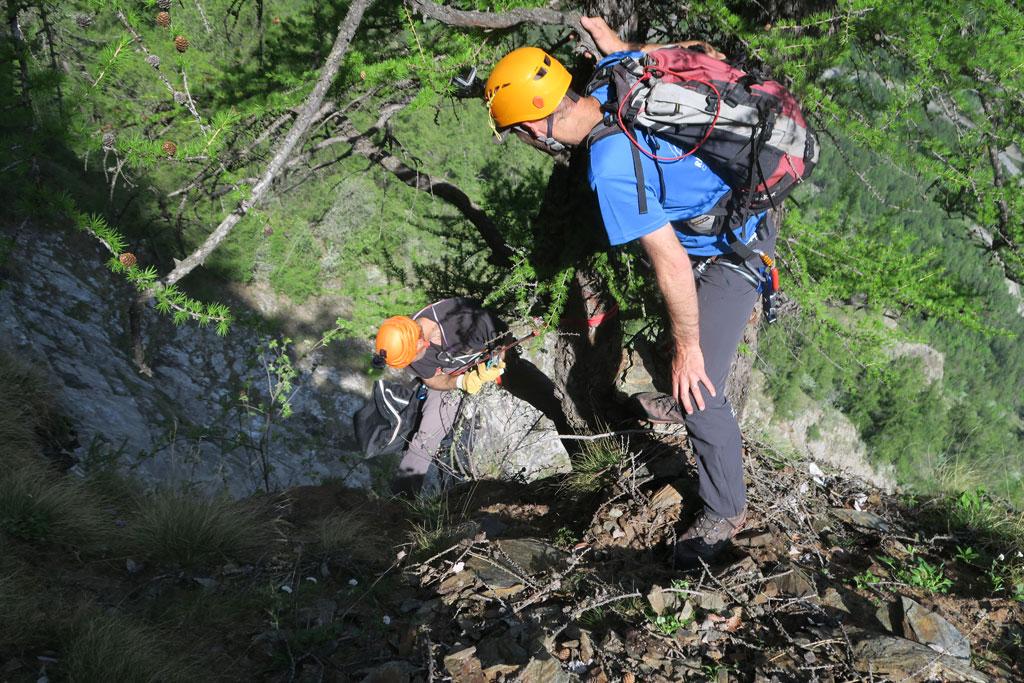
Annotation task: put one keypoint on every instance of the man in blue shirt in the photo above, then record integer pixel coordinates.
(528, 93)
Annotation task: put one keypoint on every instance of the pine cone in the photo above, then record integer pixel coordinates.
(83, 20)
(164, 5)
(163, 19)
(169, 148)
(127, 259)
(180, 43)
(153, 61)
(108, 141)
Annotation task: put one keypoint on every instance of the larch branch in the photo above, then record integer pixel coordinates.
(310, 109)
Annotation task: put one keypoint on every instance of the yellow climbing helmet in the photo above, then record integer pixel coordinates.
(398, 341)
(526, 85)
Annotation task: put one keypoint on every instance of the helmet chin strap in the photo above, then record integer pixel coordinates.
(552, 144)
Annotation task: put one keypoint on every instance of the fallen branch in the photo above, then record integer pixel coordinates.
(450, 16)
(346, 31)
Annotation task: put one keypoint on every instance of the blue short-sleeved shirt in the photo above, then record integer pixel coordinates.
(691, 188)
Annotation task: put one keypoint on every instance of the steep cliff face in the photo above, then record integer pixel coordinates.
(188, 423)
(199, 420)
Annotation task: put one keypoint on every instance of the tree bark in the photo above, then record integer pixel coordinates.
(21, 50)
(346, 31)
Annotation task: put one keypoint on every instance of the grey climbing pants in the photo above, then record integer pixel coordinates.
(437, 420)
(725, 299)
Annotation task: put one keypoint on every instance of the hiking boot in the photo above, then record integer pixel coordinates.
(657, 407)
(707, 537)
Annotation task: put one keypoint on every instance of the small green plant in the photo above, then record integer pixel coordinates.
(106, 647)
(668, 624)
(996, 578)
(814, 432)
(565, 538)
(926, 576)
(967, 555)
(973, 503)
(681, 584)
(866, 579)
(593, 619)
(431, 520)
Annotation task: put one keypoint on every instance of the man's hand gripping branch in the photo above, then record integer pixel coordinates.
(608, 41)
(675, 280)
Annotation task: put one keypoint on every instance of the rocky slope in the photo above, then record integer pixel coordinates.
(564, 579)
(831, 580)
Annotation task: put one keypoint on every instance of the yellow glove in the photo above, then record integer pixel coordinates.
(471, 381)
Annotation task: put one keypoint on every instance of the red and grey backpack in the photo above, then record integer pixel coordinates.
(748, 130)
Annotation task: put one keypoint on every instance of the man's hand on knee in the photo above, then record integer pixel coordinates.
(687, 375)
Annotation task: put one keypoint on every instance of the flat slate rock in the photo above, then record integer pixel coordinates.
(861, 518)
(930, 629)
(901, 659)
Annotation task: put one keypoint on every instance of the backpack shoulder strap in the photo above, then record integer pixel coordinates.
(618, 77)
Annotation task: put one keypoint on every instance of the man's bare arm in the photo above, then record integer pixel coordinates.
(675, 280)
(441, 382)
(608, 41)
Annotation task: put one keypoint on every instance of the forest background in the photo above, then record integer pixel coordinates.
(148, 136)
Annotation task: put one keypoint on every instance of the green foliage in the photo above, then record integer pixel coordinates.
(565, 538)
(926, 576)
(430, 520)
(967, 555)
(668, 624)
(866, 580)
(920, 574)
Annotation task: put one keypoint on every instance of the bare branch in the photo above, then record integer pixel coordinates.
(501, 253)
(202, 13)
(504, 20)
(310, 109)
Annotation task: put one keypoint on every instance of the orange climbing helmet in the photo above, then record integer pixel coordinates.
(397, 341)
(526, 85)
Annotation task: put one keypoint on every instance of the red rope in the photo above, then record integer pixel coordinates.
(646, 76)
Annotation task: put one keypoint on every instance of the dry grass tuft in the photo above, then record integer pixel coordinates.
(189, 530)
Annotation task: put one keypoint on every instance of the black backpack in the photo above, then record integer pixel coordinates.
(384, 425)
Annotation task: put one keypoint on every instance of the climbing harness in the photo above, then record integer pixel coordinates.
(764, 278)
